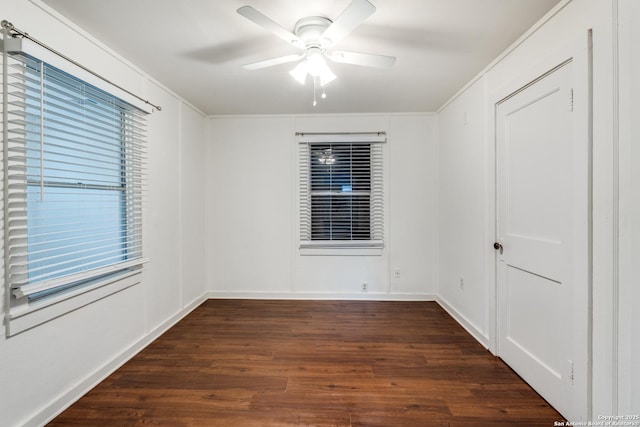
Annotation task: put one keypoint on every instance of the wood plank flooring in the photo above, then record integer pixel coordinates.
(313, 363)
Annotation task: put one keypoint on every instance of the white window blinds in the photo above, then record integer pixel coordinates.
(341, 190)
(74, 163)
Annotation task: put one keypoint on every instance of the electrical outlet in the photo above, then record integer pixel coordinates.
(365, 287)
(462, 283)
(396, 273)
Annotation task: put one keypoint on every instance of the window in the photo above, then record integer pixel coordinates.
(73, 187)
(341, 191)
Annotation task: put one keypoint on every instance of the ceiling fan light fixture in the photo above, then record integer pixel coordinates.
(318, 68)
(327, 77)
(300, 72)
(316, 62)
(315, 66)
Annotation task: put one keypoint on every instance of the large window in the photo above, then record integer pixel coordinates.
(341, 191)
(73, 178)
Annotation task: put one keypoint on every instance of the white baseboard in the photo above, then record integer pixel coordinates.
(362, 296)
(67, 398)
(464, 322)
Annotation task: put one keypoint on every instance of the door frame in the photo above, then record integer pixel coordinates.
(577, 50)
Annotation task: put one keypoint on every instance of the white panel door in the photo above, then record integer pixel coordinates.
(536, 185)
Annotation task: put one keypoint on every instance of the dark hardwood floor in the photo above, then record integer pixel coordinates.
(313, 363)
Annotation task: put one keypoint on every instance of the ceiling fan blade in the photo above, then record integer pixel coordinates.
(272, 62)
(364, 59)
(264, 21)
(349, 19)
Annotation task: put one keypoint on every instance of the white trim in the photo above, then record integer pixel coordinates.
(20, 319)
(615, 217)
(489, 259)
(387, 171)
(626, 367)
(341, 244)
(339, 251)
(181, 143)
(343, 137)
(303, 296)
(468, 325)
(294, 203)
(323, 115)
(71, 395)
(21, 291)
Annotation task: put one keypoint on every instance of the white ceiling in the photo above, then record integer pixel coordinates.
(197, 49)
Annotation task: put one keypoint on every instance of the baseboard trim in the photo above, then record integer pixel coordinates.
(469, 326)
(69, 397)
(364, 296)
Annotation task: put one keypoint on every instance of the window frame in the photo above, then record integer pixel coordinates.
(70, 292)
(355, 247)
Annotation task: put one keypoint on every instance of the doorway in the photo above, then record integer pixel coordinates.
(542, 228)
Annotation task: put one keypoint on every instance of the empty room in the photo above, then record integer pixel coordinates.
(320, 213)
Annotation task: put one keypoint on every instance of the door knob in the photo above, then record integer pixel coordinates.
(497, 246)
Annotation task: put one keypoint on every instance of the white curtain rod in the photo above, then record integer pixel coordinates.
(13, 31)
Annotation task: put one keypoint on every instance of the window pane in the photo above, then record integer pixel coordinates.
(82, 134)
(340, 167)
(75, 173)
(71, 228)
(340, 218)
(340, 191)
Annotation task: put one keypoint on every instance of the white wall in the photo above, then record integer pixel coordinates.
(469, 149)
(412, 205)
(252, 246)
(192, 205)
(248, 190)
(462, 217)
(629, 233)
(50, 366)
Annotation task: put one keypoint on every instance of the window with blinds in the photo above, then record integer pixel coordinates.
(73, 182)
(341, 191)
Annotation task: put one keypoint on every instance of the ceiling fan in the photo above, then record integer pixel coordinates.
(315, 35)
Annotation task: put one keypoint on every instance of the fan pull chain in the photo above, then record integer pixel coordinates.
(323, 95)
(315, 102)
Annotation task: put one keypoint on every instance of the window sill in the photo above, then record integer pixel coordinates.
(36, 313)
(341, 249)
